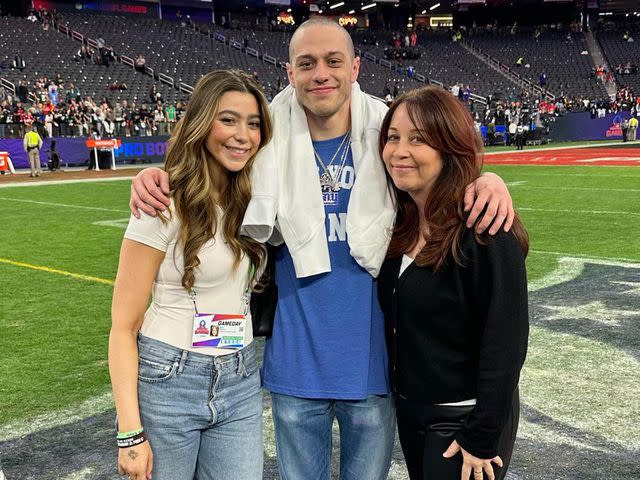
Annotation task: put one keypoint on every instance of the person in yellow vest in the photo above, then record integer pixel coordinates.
(32, 143)
(633, 128)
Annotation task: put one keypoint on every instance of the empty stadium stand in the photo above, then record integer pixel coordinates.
(181, 53)
(448, 63)
(559, 54)
(49, 52)
(372, 78)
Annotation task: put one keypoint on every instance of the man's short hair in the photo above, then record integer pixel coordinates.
(323, 21)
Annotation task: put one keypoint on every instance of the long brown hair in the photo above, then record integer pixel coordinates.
(446, 126)
(189, 165)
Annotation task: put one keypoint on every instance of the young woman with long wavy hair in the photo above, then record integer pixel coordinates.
(184, 372)
(455, 302)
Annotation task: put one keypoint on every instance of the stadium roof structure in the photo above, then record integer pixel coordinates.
(616, 6)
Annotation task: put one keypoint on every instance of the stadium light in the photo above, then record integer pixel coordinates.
(423, 12)
(288, 10)
(433, 7)
(351, 12)
(336, 5)
(366, 7)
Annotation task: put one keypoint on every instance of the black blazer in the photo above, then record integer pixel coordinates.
(460, 333)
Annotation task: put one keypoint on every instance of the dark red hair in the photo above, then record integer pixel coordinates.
(446, 126)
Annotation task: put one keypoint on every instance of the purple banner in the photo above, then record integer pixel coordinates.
(580, 126)
(73, 151)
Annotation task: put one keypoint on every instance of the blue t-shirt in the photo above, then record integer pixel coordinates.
(328, 336)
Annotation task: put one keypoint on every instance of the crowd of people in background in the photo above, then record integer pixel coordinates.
(59, 109)
(511, 119)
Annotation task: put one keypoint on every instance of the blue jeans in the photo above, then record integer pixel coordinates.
(303, 436)
(202, 414)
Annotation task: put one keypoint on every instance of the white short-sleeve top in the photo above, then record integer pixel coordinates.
(219, 288)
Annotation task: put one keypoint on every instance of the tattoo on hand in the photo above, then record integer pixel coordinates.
(133, 454)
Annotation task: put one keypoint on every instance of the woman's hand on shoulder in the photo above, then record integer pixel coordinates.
(149, 190)
(136, 462)
(473, 464)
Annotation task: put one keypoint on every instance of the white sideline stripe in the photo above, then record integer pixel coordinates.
(586, 146)
(64, 205)
(570, 268)
(60, 182)
(608, 159)
(66, 416)
(588, 212)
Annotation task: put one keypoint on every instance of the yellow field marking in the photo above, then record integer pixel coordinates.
(42, 268)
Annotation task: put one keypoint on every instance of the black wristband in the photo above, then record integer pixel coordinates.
(131, 442)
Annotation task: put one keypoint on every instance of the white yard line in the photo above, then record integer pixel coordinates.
(587, 212)
(121, 223)
(40, 183)
(586, 189)
(63, 205)
(594, 259)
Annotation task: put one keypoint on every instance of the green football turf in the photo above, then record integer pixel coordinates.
(54, 328)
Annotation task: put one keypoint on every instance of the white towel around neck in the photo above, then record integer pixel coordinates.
(286, 191)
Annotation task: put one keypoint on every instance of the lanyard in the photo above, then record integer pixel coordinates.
(246, 296)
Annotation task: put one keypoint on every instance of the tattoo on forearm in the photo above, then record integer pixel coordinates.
(133, 454)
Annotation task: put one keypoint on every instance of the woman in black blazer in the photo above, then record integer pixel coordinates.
(455, 302)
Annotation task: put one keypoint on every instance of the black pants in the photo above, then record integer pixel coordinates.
(519, 141)
(426, 431)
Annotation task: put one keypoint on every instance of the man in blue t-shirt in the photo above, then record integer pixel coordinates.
(326, 358)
